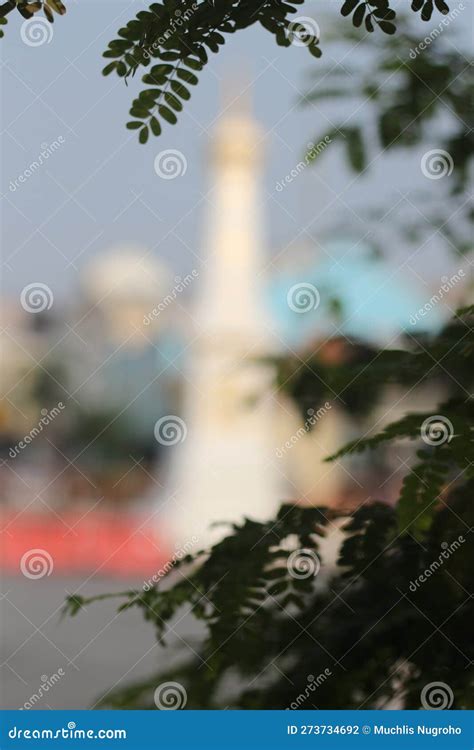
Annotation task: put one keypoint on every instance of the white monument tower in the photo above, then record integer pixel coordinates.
(225, 468)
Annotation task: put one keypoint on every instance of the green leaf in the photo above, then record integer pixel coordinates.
(143, 135)
(191, 62)
(109, 68)
(180, 90)
(348, 7)
(173, 101)
(358, 16)
(187, 76)
(155, 126)
(387, 27)
(167, 114)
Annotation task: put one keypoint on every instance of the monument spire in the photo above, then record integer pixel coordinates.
(224, 469)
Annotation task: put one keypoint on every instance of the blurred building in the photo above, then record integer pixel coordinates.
(137, 350)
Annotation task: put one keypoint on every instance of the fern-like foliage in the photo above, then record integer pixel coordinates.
(178, 36)
(400, 94)
(392, 616)
(28, 9)
(171, 42)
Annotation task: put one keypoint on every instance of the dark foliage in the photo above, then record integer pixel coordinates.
(405, 95)
(172, 41)
(393, 616)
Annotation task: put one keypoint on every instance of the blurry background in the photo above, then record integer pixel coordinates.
(127, 291)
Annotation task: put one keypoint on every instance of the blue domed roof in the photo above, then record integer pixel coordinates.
(349, 292)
